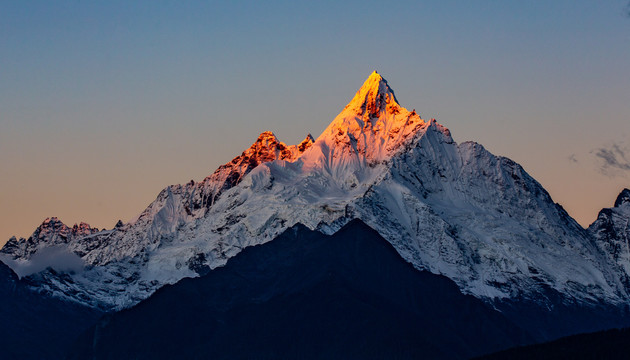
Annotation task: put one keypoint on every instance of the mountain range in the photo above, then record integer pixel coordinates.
(452, 210)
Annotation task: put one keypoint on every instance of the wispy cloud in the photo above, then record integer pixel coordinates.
(614, 159)
(58, 258)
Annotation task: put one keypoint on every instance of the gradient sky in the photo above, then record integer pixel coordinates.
(103, 104)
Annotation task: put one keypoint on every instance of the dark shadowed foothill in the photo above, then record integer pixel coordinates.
(306, 295)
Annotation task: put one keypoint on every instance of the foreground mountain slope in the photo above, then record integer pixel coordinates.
(35, 325)
(306, 295)
(610, 344)
(452, 209)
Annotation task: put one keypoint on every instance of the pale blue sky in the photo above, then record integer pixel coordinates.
(102, 104)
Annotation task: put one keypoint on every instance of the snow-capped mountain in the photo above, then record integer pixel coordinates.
(452, 209)
(612, 232)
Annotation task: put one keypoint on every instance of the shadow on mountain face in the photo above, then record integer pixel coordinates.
(306, 295)
(37, 326)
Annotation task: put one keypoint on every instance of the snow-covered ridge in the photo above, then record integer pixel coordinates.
(453, 209)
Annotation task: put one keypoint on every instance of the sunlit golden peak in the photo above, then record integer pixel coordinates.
(374, 96)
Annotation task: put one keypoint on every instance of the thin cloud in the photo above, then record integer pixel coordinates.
(58, 258)
(614, 159)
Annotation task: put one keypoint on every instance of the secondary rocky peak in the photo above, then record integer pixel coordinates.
(267, 148)
(623, 198)
(50, 226)
(54, 226)
(611, 232)
(374, 97)
(51, 232)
